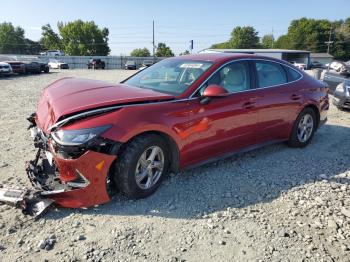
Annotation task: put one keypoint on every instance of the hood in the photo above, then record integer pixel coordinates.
(69, 96)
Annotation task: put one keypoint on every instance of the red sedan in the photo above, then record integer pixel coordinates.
(94, 136)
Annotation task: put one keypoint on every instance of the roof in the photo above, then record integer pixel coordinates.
(253, 51)
(321, 55)
(214, 57)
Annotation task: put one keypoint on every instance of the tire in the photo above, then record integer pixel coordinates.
(47, 70)
(297, 139)
(129, 166)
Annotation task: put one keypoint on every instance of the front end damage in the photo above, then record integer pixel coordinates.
(70, 176)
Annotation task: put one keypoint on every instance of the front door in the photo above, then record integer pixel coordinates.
(225, 124)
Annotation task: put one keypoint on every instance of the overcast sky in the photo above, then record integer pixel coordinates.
(176, 22)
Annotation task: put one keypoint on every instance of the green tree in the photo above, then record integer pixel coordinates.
(341, 47)
(244, 37)
(241, 37)
(283, 42)
(311, 35)
(12, 39)
(186, 52)
(140, 52)
(163, 50)
(306, 34)
(31, 47)
(84, 38)
(267, 41)
(221, 45)
(50, 40)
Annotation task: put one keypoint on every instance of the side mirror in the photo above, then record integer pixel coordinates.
(213, 91)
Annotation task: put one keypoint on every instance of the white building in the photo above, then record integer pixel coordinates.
(296, 56)
(323, 58)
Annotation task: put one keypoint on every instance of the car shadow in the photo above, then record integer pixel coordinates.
(259, 176)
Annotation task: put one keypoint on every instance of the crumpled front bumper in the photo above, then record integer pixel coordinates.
(72, 183)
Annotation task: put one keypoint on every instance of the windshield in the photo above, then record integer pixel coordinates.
(173, 76)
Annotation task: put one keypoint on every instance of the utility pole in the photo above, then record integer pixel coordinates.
(154, 57)
(272, 38)
(329, 42)
(191, 46)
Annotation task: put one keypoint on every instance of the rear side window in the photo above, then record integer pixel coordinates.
(270, 74)
(292, 74)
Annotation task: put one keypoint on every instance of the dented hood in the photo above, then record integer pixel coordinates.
(68, 96)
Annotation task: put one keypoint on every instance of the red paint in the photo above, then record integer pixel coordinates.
(215, 91)
(201, 131)
(95, 193)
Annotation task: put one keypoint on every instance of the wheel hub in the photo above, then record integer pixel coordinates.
(149, 167)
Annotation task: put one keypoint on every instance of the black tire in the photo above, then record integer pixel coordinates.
(125, 167)
(294, 141)
(47, 70)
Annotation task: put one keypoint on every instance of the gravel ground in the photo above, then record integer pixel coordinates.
(271, 204)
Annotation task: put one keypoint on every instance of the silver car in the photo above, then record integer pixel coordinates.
(5, 69)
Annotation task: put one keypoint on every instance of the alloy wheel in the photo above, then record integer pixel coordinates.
(305, 128)
(149, 167)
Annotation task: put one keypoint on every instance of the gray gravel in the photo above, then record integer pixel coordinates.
(271, 204)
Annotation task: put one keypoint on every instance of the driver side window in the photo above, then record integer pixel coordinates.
(234, 77)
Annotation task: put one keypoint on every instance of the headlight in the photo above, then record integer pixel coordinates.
(77, 137)
(340, 88)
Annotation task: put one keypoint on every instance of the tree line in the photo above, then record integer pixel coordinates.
(74, 38)
(303, 34)
(87, 39)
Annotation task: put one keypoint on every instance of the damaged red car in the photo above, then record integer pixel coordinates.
(94, 137)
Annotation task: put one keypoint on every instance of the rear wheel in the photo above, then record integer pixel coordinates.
(304, 128)
(142, 166)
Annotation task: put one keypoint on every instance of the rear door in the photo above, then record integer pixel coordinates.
(278, 99)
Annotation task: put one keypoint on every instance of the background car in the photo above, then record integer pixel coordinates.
(337, 73)
(57, 64)
(316, 64)
(52, 53)
(44, 67)
(17, 67)
(5, 69)
(32, 67)
(301, 66)
(96, 64)
(130, 65)
(341, 95)
(145, 64)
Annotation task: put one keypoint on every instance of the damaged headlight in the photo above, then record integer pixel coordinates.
(77, 137)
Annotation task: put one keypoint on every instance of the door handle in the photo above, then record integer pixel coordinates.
(248, 105)
(295, 97)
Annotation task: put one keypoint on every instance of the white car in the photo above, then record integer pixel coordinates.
(301, 66)
(52, 53)
(56, 64)
(337, 66)
(5, 68)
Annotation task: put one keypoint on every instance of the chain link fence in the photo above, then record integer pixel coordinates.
(80, 62)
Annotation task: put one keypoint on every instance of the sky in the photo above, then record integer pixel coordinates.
(176, 22)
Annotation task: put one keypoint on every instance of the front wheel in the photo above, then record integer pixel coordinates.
(142, 166)
(304, 128)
